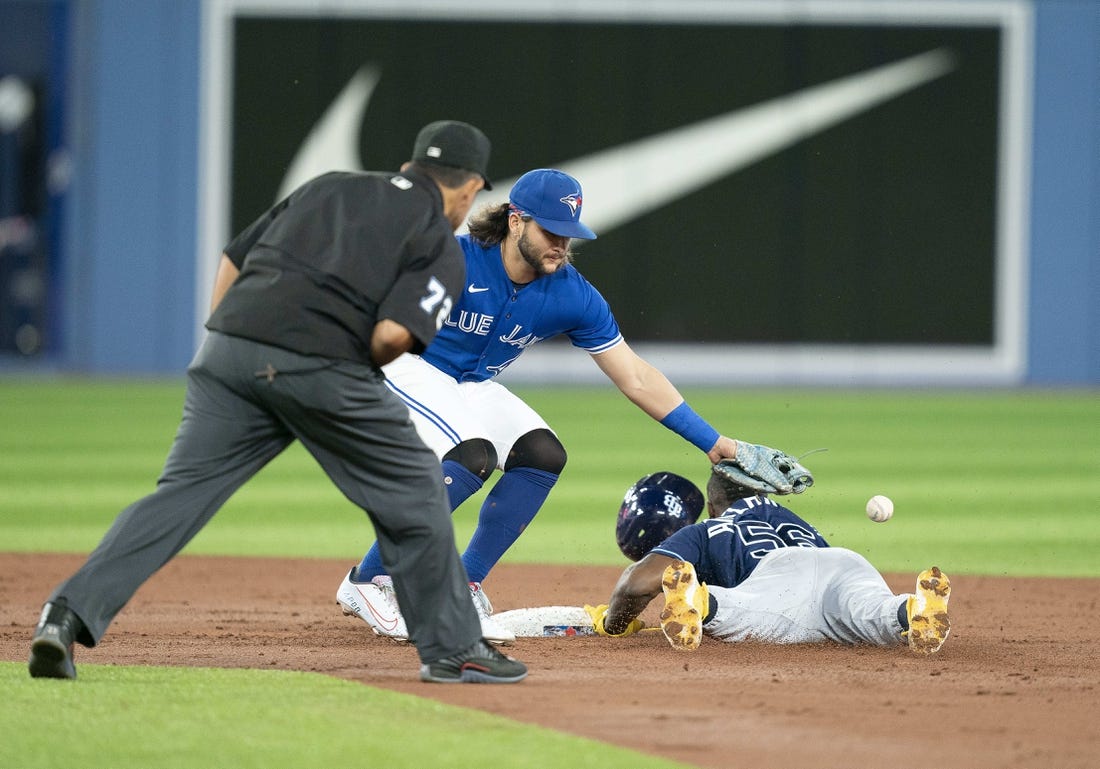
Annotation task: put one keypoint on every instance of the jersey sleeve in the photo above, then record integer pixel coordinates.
(238, 248)
(687, 544)
(423, 294)
(596, 330)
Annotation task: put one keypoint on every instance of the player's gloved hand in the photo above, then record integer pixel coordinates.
(599, 613)
(765, 470)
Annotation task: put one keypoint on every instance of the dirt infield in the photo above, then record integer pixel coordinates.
(1016, 685)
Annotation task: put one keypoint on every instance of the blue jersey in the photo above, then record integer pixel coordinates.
(726, 549)
(494, 321)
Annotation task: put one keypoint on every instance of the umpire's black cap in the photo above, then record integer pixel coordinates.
(455, 144)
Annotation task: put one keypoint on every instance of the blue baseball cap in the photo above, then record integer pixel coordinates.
(553, 199)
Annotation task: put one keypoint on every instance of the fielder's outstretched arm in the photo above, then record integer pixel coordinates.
(651, 391)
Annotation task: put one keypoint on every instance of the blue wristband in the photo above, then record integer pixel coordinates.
(683, 421)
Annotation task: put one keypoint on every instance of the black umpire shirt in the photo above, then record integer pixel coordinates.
(340, 253)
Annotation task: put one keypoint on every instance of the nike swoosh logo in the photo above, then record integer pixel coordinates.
(333, 144)
(475, 290)
(627, 181)
(387, 622)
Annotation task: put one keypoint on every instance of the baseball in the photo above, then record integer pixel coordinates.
(879, 508)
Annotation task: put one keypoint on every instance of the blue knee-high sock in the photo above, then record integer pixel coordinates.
(508, 508)
(460, 483)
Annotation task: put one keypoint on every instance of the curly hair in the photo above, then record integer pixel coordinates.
(489, 224)
(722, 492)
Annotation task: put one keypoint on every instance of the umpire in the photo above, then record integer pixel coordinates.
(341, 277)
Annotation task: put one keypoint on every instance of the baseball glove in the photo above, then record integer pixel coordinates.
(765, 470)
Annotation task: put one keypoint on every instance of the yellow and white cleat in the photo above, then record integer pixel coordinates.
(927, 609)
(686, 604)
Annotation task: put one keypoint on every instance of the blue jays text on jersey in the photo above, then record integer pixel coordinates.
(726, 549)
(494, 321)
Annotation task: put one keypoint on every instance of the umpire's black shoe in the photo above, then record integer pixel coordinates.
(482, 663)
(52, 645)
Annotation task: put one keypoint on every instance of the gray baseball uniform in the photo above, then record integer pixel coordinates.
(774, 578)
(803, 595)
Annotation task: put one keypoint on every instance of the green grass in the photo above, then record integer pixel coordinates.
(178, 718)
(983, 482)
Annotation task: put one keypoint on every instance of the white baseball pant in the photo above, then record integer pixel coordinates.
(806, 595)
(446, 412)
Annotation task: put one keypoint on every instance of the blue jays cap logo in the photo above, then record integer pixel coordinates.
(538, 194)
(573, 201)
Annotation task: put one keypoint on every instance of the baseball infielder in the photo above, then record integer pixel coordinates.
(756, 571)
(521, 288)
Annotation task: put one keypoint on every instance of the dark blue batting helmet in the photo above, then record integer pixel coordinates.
(654, 508)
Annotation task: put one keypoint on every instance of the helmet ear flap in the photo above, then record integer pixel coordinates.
(654, 508)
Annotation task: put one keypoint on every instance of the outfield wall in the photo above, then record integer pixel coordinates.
(152, 177)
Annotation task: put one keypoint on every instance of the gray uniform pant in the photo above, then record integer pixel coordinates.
(806, 595)
(245, 403)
